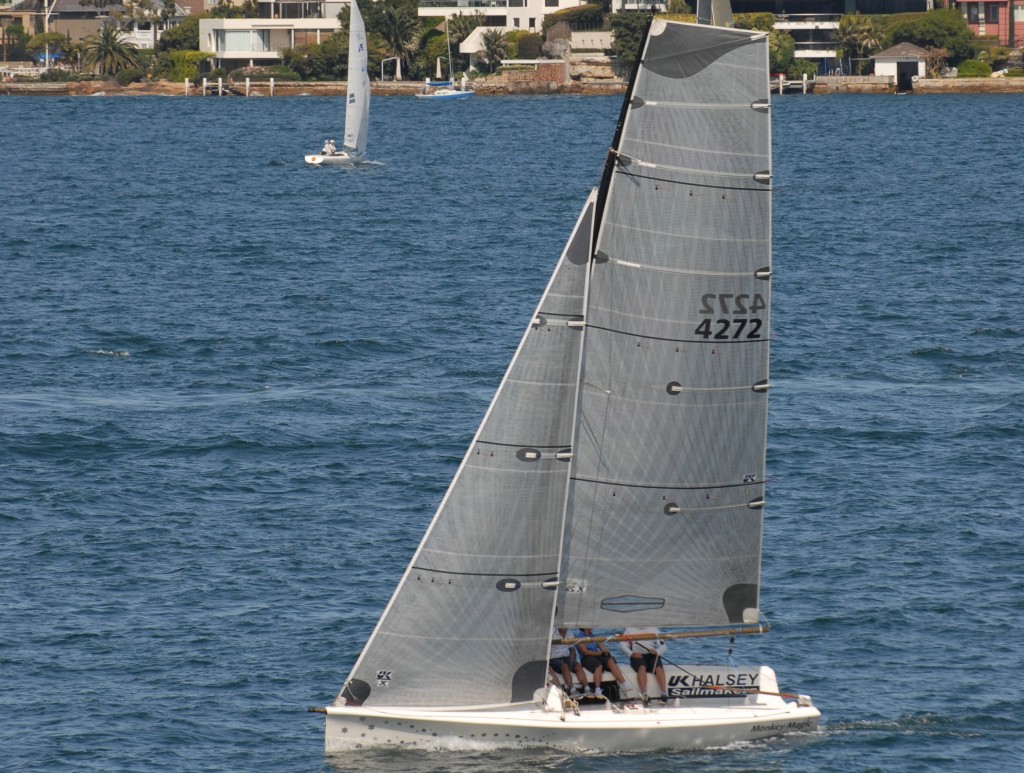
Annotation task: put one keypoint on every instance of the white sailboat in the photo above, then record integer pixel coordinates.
(440, 89)
(617, 479)
(357, 101)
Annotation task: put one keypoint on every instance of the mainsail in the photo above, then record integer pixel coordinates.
(357, 101)
(669, 457)
(617, 478)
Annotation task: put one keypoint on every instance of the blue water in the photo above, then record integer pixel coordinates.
(234, 388)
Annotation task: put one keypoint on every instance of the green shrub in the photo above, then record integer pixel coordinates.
(799, 67)
(762, 22)
(528, 45)
(129, 75)
(1015, 73)
(589, 15)
(185, 64)
(972, 68)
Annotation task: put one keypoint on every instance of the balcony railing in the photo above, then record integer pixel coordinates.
(463, 3)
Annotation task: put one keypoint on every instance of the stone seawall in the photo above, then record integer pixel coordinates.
(558, 78)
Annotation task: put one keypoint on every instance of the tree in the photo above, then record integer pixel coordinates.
(936, 29)
(400, 30)
(108, 52)
(461, 27)
(183, 37)
(56, 41)
(627, 31)
(495, 45)
(327, 60)
(858, 38)
(225, 9)
(780, 51)
(16, 41)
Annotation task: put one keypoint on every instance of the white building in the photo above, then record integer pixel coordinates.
(903, 63)
(281, 24)
(509, 15)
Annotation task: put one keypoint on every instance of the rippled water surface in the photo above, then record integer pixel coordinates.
(234, 389)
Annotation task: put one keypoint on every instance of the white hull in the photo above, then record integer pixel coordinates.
(680, 724)
(446, 94)
(626, 727)
(337, 159)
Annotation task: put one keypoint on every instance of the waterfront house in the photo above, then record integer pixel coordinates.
(281, 24)
(903, 63)
(992, 19)
(77, 20)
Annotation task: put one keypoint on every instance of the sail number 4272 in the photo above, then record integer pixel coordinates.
(732, 327)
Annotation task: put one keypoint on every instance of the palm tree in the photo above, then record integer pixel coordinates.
(107, 52)
(857, 36)
(399, 30)
(495, 46)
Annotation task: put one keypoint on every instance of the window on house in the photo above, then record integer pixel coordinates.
(972, 13)
(515, 22)
(550, 3)
(992, 13)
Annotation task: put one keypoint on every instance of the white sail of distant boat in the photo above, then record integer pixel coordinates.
(617, 479)
(357, 102)
(440, 89)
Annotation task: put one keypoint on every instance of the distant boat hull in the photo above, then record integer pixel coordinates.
(336, 159)
(693, 722)
(446, 94)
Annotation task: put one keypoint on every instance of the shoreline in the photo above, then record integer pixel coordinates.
(485, 87)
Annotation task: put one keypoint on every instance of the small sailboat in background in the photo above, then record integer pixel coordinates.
(440, 89)
(617, 480)
(357, 102)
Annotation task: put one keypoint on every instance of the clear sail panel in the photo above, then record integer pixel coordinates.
(666, 498)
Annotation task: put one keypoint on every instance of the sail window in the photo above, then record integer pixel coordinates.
(631, 603)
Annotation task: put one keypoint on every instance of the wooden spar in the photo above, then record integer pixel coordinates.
(748, 631)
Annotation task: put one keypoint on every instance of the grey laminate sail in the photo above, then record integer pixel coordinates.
(669, 458)
(470, 621)
(619, 471)
(357, 100)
